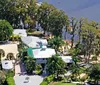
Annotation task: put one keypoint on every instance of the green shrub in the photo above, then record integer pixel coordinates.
(49, 78)
(10, 81)
(39, 72)
(10, 73)
(38, 69)
(44, 83)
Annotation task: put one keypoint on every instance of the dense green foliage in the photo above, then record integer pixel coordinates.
(94, 72)
(90, 36)
(56, 66)
(5, 30)
(10, 78)
(19, 12)
(44, 83)
(10, 81)
(43, 15)
(57, 21)
(55, 43)
(47, 80)
(30, 64)
(10, 73)
(38, 69)
(51, 19)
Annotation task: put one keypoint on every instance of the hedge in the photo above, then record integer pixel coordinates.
(10, 73)
(44, 83)
(10, 81)
(47, 80)
(9, 78)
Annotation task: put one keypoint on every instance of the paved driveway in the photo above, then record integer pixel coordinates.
(20, 76)
(33, 80)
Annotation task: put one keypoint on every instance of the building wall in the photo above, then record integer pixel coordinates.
(9, 48)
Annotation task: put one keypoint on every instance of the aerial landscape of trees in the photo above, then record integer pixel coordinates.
(27, 14)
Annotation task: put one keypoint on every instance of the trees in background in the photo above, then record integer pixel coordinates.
(55, 43)
(57, 21)
(5, 30)
(51, 19)
(26, 11)
(19, 13)
(89, 39)
(56, 66)
(73, 30)
(43, 15)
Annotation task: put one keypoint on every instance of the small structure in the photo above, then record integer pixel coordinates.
(20, 32)
(7, 64)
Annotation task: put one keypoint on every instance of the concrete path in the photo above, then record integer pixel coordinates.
(21, 76)
(33, 80)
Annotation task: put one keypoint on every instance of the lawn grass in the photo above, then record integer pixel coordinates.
(61, 83)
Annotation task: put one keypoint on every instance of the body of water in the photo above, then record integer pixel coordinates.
(78, 8)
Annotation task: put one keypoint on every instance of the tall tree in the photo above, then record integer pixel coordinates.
(57, 21)
(56, 66)
(73, 23)
(18, 12)
(5, 30)
(89, 35)
(43, 15)
(81, 22)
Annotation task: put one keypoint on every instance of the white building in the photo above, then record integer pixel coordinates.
(41, 55)
(20, 32)
(34, 42)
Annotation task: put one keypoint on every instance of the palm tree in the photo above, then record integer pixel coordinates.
(10, 56)
(2, 53)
